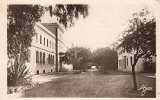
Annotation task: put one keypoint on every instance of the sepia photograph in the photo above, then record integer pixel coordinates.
(95, 50)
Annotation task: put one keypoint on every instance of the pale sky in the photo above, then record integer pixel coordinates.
(105, 22)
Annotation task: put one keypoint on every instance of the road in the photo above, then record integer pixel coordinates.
(92, 84)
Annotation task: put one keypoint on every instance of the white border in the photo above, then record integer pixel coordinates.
(3, 40)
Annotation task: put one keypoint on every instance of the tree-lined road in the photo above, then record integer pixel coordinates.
(91, 84)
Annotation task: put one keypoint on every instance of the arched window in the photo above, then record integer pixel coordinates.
(53, 59)
(131, 60)
(127, 61)
(43, 58)
(40, 39)
(50, 44)
(40, 57)
(47, 42)
(49, 59)
(44, 41)
(36, 37)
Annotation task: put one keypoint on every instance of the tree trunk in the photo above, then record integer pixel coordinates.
(60, 65)
(134, 77)
(56, 45)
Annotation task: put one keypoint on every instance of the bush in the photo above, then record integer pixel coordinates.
(149, 67)
(17, 73)
(106, 59)
(64, 69)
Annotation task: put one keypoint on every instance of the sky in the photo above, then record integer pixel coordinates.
(105, 22)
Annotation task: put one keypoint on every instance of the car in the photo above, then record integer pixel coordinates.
(93, 68)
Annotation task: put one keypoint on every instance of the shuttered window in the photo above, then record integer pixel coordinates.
(37, 57)
(43, 58)
(40, 39)
(40, 57)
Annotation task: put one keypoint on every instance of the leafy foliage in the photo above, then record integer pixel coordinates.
(140, 37)
(105, 57)
(20, 30)
(17, 72)
(66, 13)
(82, 57)
(79, 56)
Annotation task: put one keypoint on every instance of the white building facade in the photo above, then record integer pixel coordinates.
(43, 48)
(125, 60)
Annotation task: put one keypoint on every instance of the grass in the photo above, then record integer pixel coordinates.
(90, 84)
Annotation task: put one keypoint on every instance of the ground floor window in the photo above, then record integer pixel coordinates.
(131, 60)
(37, 57)
(37, 71)
(53, 59)
(43, 58)
(40, 57)
(124, 61)
(127, 61)
(49, 59)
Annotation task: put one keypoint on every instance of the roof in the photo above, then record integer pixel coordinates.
(118, 46)
(51, 27)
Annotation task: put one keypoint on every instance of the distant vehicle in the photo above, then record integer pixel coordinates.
(93, 68)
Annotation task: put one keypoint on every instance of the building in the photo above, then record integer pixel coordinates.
(43, 48)
(126, 59)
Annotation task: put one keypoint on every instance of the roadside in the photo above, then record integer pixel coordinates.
(87, 84)
(36, 81)
(116, 72)
(17, 91)
(91, 84)
(44, 78)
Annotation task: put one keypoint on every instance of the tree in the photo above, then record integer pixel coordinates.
(20, 27)
(79, 56)
(20, 30)
(105, 57)
(67, 13)
(139, 38)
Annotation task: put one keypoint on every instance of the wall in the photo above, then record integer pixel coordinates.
(42, 32)
(48, 50)
(125, 64)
